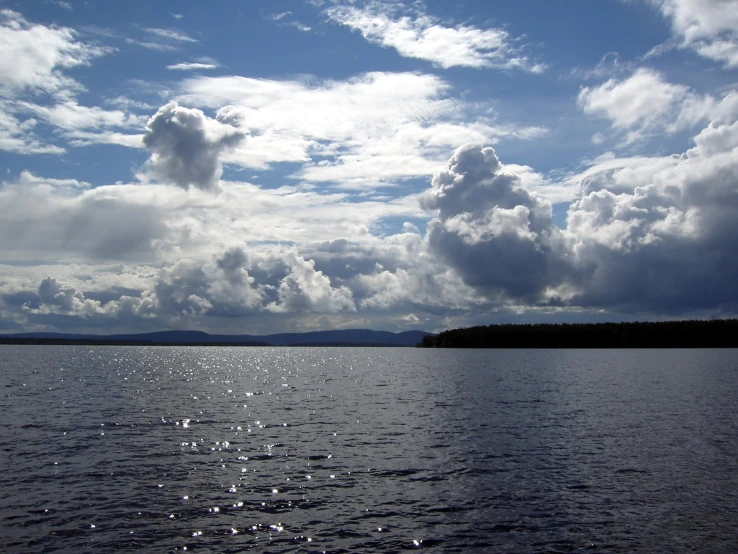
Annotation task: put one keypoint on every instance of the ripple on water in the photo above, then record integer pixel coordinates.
(160, 449)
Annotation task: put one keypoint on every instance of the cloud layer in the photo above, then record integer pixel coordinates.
(414, 195)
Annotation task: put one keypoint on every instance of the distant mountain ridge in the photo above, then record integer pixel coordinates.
(334, 337)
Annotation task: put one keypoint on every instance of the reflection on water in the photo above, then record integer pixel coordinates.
(111, 449)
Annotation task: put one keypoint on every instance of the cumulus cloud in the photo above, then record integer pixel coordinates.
(708, 27)
(58, 297)
(229, 284)
(415, 34)
(665, 240)
(648, 234)
(186, 146)
(645, 234)
(304, 289)
(659, 233)
(221, 286)
(645, 103)
(501, 239)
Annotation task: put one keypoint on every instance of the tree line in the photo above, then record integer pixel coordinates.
(719, 333)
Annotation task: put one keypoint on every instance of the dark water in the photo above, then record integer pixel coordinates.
(119, 449)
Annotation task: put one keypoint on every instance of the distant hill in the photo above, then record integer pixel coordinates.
(719, 333)
(344, 337)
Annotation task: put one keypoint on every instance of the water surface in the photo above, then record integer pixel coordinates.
(215, 449)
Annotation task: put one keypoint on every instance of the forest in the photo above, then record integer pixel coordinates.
(718, 333)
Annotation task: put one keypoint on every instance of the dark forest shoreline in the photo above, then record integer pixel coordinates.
(719, 333)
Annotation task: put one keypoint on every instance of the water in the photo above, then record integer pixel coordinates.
(158, 449)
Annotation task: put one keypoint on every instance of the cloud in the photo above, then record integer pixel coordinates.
(34, 55)
(57, 297)
(646, 235)
(186, 145)
(644, 104)
(69, 115)
(172, 35)
(34, 88)
(192, 66)
(18, 135)
(300, 26)
(416, 34)
(63, 218)
(304, 289)
(83, 125)
(163, 39)
(29, 180)
(708, 27)
(278, 16)
(220, 287)
(372, 130)
(658, 234)
(500, 238)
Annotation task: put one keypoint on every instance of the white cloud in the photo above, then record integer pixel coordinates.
(84, 125)
(192, 66)
(540, 185)
(419, 35)
(372, 130)
(172, 35)
(304, 289)
(34, 55)
(709, 27)
(125, 103)
(278, 16)
(645, 103)
(300, 26)
(32, 71)
(163, 40)
(28, 179)
(18, 136)
(69, 115)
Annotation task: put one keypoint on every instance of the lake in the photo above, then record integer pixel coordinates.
(215, 449)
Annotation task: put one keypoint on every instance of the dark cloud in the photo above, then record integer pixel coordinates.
(186, 145)
(501, 239)
(102, 223)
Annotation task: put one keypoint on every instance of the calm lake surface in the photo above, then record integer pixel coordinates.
(211, 449)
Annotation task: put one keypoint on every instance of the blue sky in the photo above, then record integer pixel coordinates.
(298, 165)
